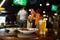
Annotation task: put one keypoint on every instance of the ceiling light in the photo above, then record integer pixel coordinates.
(40, 4)
(55, 14)
(29, 9)
(44, 12)
(47, 4)
(44, 15)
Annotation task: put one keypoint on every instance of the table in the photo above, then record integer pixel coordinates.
(49, 36)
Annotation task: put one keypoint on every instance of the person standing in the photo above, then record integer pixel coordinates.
(22, 17)
(32, 20)
(37, 18)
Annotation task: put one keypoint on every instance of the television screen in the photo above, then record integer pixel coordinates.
(20, 2)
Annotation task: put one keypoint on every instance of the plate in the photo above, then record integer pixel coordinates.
(27, 30)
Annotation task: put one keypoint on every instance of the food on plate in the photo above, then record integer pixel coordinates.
(25, 29)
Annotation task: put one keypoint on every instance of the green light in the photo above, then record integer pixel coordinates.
(54, 8)
(20, 2)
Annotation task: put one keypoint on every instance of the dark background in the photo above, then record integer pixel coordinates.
(13, 9)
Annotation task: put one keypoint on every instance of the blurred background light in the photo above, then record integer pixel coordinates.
(45, 18)
(44, 12)
(2, 19)
(55, 14)
(44, 15)
(3, 1)
(2, 8)
(20, 2)
(40, 4)
(4, 11)
(47, 4)
(54, 8)
(29, 9)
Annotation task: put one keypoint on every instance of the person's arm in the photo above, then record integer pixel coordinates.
(32, 17)
(18, 16)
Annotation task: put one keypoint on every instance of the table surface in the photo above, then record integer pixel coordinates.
(48, 36)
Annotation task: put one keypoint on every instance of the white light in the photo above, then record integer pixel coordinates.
(44, 12)
(29, 9)
(29, 16)
(2, 19)
(44, 15)
(47, 4)
(45, 19)
(3, 11)
(55, 14)
(2, 3)
(40, 4)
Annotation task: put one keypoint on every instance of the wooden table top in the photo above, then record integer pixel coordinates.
(48, 36)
